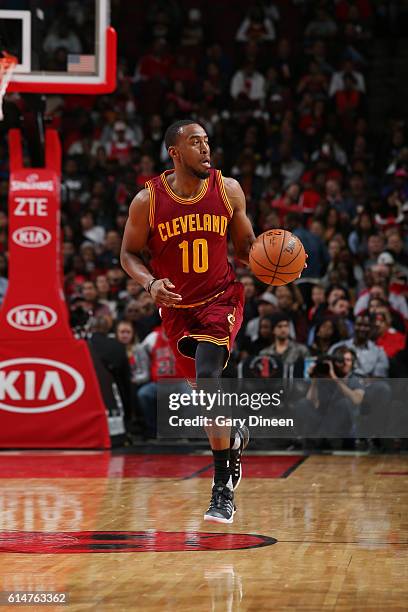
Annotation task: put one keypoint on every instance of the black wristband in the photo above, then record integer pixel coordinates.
(150, 284)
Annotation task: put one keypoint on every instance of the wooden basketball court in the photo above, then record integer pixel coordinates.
(114, 533)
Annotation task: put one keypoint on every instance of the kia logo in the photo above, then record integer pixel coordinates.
(36, 385)
(31, 317)
(31, 237)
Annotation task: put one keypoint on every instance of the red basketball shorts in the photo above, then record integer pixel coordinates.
(217, 321)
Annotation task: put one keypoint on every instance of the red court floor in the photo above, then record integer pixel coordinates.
(66, 464)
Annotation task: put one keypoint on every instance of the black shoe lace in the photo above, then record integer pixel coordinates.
(221, 498)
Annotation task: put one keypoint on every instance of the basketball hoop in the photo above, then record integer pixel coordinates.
(7, 64)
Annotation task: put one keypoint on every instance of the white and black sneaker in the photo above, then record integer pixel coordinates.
(221, 508)
(238, 444)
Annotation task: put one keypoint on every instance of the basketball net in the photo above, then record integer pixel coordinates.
(7, 64)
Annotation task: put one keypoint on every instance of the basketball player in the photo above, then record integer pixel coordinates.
(182, 217)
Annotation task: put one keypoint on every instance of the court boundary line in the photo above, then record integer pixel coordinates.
(197, 472)
(294, 467)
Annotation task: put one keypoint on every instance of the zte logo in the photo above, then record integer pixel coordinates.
(31, 207)
(31, 317)
(36, 385)
(31, 237)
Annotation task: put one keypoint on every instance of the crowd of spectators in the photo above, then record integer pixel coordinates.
(281, 89)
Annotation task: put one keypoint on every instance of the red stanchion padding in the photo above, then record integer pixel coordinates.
(49, 393)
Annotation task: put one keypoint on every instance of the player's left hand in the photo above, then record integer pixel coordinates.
(161, 294)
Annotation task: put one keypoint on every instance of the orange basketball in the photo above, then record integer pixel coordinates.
(277, 257)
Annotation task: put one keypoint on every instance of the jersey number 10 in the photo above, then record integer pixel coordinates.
(200, 255)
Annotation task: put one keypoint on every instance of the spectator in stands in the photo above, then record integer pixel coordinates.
(162, 365)
(252, 185)
(116, 279)
(89, 257)
(284, 61)
(91, 303)
(399, 363)
(326, 334)
(193, 31)
(358, 238)
(341, 309)
(357, 192)
(248, 87)
(318, 303)
(291, 169)
(290, 302)
(290, 201)
(139, 363)
(335, 198)
(372, 362)
(74, 187)
(385, 335)
(348, 101)
(378, 305)
(143, 320)
(104, 296)
(371, 359)
(333, 227)
(318, 52)
(113, 356)
(399, 252)
(264, 338)
(375, 246)
(155, 64)
(331, 405)
(314, 246)
(290, 352)
(250, 306)
(313, 82)
(257, 27)
(338, 308)
(110, 256)
(91, 231)
(267, 304)
(132, 292)
(146, 170)
(397, 301)
(322, 26)
(119, 147)
(337, 82)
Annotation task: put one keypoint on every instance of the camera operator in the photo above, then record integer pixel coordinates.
(372, 364)
(333, 398)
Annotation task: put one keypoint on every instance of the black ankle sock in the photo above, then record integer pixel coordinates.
(221, 465)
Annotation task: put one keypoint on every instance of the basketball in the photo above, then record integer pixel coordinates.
(277, 257)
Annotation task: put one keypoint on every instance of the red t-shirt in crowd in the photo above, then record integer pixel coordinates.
(392, 342)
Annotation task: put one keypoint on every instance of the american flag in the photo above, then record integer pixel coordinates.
(81, 63)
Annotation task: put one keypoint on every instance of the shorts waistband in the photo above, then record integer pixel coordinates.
(198, 303)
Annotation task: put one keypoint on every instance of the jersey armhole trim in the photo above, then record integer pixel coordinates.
(223, 193)
(152, 204)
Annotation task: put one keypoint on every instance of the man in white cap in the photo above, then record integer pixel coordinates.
(267, 305)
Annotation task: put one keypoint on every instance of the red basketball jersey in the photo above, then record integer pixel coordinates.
(188, 238)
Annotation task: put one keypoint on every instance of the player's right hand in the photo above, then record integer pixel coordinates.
(161, 294)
